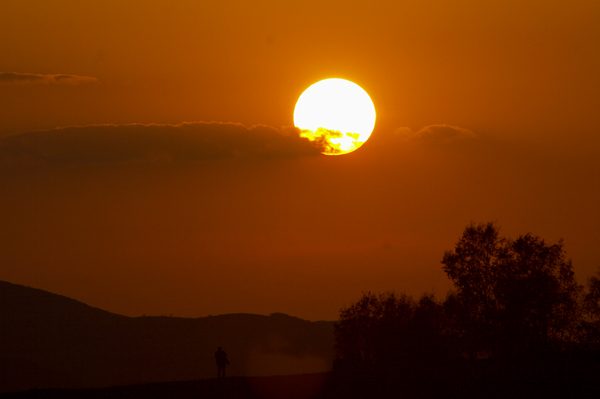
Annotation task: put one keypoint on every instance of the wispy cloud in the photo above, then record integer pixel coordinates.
(140, 143)
(436, 134)
(16, 78)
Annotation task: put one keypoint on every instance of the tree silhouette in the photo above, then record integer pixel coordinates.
(473, 266)
(386, 330)
(366, 324)
(591, 313)
(512, 296)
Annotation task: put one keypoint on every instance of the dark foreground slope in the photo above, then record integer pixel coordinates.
(50, 341)
(474, 381)
(309, 386)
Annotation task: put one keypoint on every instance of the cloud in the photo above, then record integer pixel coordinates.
(15, 78)
(442, 134)
(333, 142)
(140, 143)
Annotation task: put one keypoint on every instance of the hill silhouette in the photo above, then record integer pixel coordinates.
(51, 341)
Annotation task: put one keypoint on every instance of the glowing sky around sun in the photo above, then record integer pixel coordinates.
(183, 187)
(338, 111)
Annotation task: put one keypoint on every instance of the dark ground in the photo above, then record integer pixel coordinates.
(292, 387)
(564, 376)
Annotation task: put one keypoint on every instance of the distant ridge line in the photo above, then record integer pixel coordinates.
(52, 341)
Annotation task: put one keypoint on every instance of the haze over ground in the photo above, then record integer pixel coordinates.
(484, 112)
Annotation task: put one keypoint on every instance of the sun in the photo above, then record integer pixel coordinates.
(337, 113)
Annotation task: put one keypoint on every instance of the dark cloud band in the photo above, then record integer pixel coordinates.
(139, 143)
(15, 78)
(436, 134)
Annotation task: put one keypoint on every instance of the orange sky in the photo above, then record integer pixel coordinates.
(485, 111)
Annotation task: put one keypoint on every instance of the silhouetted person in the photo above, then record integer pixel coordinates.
(222, 362)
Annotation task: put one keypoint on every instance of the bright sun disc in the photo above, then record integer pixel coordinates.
(336, 112)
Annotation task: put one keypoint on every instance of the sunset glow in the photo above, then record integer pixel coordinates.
(156, 157)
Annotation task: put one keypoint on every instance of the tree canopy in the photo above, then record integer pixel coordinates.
(512, 295)
(383, 329)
